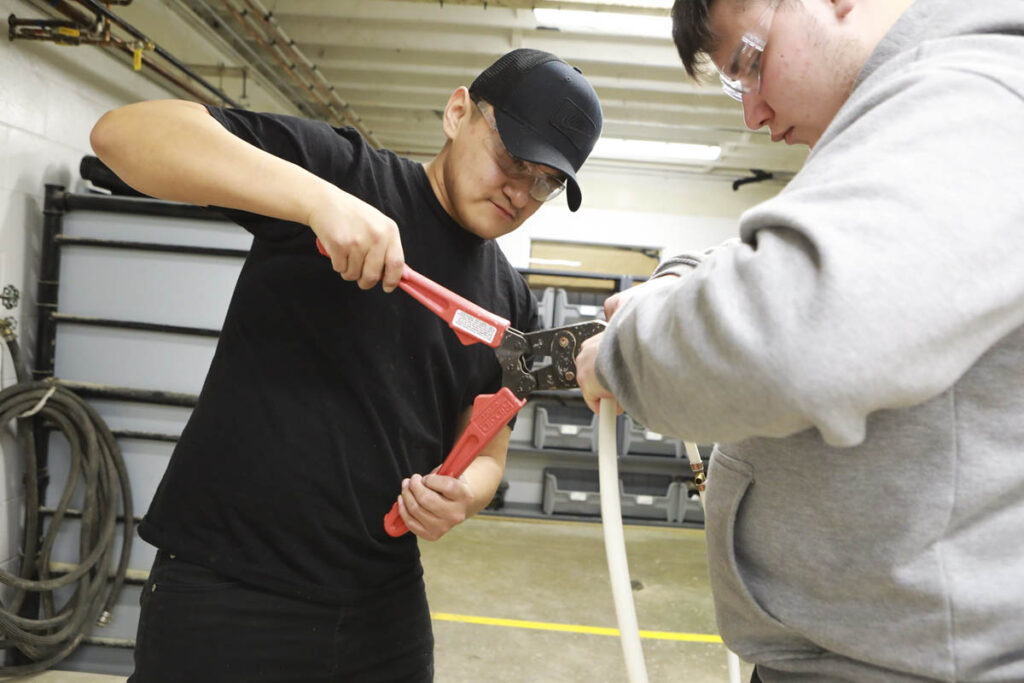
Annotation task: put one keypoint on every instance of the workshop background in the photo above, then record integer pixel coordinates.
(387, 67)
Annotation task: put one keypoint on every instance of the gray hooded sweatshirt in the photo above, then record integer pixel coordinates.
(858, 355)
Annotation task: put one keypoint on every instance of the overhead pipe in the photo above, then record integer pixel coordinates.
(271, 23)
(90, 23)
(267, 70)
(282, 62)
(97, 27)
(164, 73)
(272, 40)
(101, 10)
(60, 32)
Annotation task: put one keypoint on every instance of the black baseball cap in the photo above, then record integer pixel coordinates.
(546, 111)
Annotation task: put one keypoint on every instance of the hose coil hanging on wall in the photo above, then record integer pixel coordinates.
(97, 467)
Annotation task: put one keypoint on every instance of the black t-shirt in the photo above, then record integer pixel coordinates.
(321, 397)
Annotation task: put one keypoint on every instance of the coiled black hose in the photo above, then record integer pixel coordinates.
(98, 467)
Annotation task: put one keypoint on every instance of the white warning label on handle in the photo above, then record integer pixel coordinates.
(470, 324)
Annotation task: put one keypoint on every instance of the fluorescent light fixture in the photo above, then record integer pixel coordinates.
(555, 262)
(618, 23)
(649, 150)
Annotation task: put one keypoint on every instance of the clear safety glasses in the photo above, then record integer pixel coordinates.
(741, 73)
(544, 186)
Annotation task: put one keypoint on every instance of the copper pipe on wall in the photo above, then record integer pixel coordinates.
(261, 41)
(101, 10)
(278, 80)
(263, 30)
(166, 74)
(95, 29)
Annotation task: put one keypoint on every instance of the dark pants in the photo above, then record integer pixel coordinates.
(198, 626)
(754, 678)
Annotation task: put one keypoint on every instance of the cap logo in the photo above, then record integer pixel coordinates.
(574, 123)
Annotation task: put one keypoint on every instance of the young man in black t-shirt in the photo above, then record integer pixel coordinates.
(329, 399)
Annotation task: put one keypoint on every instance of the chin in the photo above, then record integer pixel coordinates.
(488, 223)
(489, 231)
(484, 229)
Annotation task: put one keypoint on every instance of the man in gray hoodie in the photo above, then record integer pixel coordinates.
(858, 354)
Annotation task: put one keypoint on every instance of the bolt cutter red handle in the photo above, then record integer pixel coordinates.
(491, 412)
(470, 322)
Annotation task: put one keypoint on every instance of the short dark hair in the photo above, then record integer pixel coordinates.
(692, 34)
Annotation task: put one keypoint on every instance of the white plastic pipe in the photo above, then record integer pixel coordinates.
(615, 542)
(693, 455)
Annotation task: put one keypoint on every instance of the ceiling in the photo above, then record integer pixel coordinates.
(389, 66)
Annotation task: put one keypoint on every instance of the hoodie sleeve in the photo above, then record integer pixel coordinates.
(885, 269)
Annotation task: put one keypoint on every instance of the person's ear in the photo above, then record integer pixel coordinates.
(457, 112)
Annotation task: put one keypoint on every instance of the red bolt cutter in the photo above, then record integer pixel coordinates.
(473, 324)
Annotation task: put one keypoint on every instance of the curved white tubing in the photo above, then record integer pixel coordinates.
(615, 542)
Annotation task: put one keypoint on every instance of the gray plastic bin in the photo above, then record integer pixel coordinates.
(546, 300)
(567, 313)
(569, 491)
(648, 496)
(638, 440)
(522, 431)
(569, 426)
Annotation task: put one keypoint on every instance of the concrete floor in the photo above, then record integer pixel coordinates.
(525, 578)
(545, 573)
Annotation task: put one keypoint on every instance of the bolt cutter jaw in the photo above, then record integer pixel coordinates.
(560, 345)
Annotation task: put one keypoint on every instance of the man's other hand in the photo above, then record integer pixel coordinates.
(431, 505)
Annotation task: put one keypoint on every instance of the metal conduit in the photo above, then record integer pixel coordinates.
(187, 87)
(101, 10)
(267, 70)
(274, 27)
(99, 26)
(256, 34)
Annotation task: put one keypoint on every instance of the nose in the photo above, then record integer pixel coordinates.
(756, 112)
(517, 189)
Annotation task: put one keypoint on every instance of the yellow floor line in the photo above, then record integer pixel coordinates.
(572, 628)
(494, 517)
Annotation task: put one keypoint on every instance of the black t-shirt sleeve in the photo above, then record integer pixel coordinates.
(314, 145)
